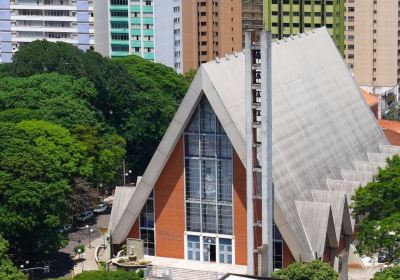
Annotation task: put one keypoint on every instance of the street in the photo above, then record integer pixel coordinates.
(63, 264)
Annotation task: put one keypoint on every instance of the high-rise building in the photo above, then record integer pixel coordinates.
(372, 48)
(168, 33)
(252, 14)
(288, 17)
(192, 32)
(127, 28)
(23, 21)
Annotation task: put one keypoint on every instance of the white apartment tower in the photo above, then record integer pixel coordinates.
(373, 43)
(168, 33)
(23, 21)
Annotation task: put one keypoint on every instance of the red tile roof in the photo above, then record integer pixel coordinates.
(390, 125)
(370, 98)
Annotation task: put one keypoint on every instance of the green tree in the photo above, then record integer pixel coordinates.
(38, 161)
(390, 273)
(315, 270)
(123, 86)
(377, 208)
(109, 275)
(7, 269)
(189, 75)
(64, 100)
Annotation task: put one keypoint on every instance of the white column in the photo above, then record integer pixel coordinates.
(249, 156)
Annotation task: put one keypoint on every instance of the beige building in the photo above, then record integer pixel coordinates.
(210, 29)
(372, 43)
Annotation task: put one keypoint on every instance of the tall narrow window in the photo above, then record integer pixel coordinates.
(208, 187)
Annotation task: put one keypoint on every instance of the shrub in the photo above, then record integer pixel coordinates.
(109, 275)
(315, 270)
(390, 273)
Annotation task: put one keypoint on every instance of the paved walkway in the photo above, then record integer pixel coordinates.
(89, 262)
(363, 274)
(194, 265)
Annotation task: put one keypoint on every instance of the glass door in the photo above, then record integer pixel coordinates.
(209, 249)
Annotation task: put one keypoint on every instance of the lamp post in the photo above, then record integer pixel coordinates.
(90, 231)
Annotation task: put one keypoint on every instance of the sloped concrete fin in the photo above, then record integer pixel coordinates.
(317, 222)
(367, 166)
(378, 157)
(338, 203)
(360, 176)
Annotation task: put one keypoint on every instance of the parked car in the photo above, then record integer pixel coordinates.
(84, 216)
(66, 228)
(100, 208)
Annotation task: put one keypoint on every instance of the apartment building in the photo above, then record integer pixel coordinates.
(192, 32)
(252, 14)
(168, 33)
(288, 17)
(23, 21)
(372, 44)
(129, 28)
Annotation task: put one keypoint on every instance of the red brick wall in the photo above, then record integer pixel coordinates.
(239, 210)
(134, 233)
(169, 206)
(287, 255)
(170, 210)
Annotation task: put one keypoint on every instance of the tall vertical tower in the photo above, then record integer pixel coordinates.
(23, 21)
(285, 18)
(259, 187)
(372, 48)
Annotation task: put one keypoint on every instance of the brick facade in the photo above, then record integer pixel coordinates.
(170, 210)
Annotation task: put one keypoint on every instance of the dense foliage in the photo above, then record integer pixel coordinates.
(390, 273)
(111, 275)
(7, 269)
(67, 120)
(136, 97)
(377, 206)
(315, 270)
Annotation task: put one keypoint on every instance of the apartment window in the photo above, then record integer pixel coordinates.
(119, 13)
(119, 25)
(119, 48)
(120, 36)
(119, 2)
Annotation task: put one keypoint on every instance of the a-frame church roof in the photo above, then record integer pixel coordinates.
(323, 132)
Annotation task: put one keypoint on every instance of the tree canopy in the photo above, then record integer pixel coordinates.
(377, 207)
(315, 270)
(38, 161)
(67, 121)
(7, 269)
(136, 97)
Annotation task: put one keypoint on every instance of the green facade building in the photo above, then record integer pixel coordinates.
(288, 17)
(131, 28)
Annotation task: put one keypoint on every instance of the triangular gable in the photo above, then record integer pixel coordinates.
(340, 209)
(318, 223)
(200, 85)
